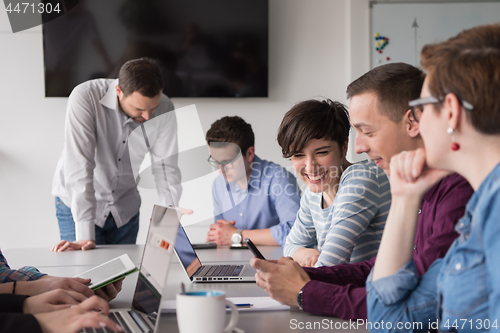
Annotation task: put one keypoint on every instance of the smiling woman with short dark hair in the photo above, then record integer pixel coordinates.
(343, 210)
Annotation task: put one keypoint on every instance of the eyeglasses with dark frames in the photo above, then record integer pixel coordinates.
(227, 165)
(417, 105)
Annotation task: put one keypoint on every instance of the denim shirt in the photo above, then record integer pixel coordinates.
(462, 289)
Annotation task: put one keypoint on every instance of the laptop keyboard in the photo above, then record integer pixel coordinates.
(116, 317)
(220, 270)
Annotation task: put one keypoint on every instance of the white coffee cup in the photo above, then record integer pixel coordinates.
(205, 311)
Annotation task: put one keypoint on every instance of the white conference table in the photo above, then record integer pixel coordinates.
(72, 263)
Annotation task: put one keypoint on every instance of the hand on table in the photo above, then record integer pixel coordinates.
(183, 211)
(282, 279)
(306, 257)
(72, 320)
(52, 301)
(221, 232)
(48, 283)
(76, 245)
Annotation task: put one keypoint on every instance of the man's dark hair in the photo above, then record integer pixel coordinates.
(232, 129)
(394, 85)
(141, 75)
(313, 119)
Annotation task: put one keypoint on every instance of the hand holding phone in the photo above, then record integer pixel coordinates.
(254, 249)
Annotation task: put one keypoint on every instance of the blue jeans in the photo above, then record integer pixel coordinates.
(108, 234)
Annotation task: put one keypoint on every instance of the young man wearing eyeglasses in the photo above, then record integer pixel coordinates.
(253, 198)
(385, 126)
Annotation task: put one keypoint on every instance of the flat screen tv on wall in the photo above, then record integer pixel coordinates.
(204, 48)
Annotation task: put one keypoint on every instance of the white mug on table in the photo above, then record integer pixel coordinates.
(205, 311)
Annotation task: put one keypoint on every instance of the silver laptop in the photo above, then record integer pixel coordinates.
(208, 273)
(152, 277)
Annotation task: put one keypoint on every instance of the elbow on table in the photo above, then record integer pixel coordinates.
(394, 317)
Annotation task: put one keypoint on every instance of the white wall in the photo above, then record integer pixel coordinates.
(316, 48)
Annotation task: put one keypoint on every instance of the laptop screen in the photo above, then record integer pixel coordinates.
(186, 253)
(155, 260)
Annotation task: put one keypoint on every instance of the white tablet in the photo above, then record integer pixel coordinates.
(109, 272)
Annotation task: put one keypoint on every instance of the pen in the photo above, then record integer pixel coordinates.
(244, 305)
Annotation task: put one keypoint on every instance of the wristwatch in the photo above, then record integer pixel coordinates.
(236, 238)
(299, 299)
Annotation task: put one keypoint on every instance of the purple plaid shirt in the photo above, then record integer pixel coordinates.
(26, 273)
(340, 290)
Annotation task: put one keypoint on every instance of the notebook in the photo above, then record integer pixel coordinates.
(152, 277)
(208, 273)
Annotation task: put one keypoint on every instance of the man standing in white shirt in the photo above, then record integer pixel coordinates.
(97, 201)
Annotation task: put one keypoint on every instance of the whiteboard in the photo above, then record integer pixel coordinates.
(436, 22)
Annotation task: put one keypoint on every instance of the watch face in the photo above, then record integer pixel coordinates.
(236, 238)
(299, 300)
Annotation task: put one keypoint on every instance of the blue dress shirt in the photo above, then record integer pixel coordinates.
(270, 200)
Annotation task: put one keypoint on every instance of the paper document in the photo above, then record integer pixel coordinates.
(242, 303)
(258, 304)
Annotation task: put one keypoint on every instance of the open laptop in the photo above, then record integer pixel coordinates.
(208, 273)
(152, 277)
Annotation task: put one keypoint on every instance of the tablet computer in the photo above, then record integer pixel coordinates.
(109, 272)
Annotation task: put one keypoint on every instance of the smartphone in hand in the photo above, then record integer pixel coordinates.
(254, 249)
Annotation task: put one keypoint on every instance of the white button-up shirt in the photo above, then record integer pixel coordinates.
(94, 175)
